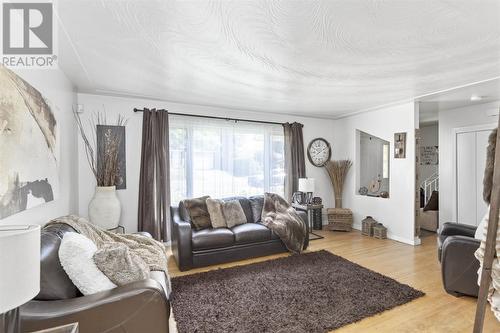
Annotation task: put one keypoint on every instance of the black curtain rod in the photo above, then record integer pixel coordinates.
(213, 117)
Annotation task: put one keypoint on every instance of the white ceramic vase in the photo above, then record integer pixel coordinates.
(105, 208)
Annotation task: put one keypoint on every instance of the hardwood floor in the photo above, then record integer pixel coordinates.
(416, 266)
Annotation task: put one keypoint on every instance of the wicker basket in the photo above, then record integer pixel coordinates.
(379, 231)
(339, 219)
(367, 226)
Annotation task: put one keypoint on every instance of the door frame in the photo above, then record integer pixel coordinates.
(456, 132)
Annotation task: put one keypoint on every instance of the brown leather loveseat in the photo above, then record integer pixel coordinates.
(137, 307)
(197, 248)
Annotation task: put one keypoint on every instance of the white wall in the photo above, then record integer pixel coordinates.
(449, 120)
(429, 135)
(313, 128)
(60, 95)
(396, 212)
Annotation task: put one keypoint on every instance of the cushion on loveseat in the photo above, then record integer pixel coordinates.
(198, 212)
(245, 204)
(251, 233)
(256, 204)
(211, 238)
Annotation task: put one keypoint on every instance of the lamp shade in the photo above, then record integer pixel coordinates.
(306, 185)
(19, 265)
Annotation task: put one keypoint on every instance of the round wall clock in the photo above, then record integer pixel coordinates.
(319, 152)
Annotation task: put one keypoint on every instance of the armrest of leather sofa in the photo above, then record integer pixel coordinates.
(453, 229)
(457, 229)
(181, 240)
(303, 216)
(136, 307)
(459, 265)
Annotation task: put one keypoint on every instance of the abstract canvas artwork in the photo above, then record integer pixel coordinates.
(28, 146)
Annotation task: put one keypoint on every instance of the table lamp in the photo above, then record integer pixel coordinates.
(19, 272)
(306, 185)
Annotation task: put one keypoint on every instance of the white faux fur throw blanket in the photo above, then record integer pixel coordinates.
(283, 220)
(151, 251)
(494, 290)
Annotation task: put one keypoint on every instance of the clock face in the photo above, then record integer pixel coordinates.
(319, 152)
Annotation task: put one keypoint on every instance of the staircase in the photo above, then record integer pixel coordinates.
(429, 185)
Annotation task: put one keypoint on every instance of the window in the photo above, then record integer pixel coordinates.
(224, 158)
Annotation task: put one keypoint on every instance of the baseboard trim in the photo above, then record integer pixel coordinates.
(415, 241)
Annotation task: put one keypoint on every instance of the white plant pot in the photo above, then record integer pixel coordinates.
(105, 208)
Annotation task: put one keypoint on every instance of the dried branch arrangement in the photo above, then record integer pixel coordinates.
(102, 162)
(337, 170)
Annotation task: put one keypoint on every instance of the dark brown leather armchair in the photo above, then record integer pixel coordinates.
(456, 247)
(137, 307)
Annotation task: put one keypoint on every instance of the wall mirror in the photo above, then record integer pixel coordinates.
(372, 172)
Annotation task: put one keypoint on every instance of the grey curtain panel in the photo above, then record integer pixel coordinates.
(295, 165)
(154, 177)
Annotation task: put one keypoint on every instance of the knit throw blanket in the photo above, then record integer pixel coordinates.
(283, 220)
(151, 251)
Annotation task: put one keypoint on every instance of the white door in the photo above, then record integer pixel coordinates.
(471, 160)
(481, 145)
(466, 178)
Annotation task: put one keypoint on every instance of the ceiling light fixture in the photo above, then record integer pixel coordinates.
(475, 98)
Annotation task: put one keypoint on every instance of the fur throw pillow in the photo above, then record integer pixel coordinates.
(120, 265)
(233, 213)
(75, 254)
(198, 212)
(216, 214)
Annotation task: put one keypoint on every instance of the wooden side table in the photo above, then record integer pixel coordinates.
(314, 216)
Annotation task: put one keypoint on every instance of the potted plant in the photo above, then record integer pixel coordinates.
(339, 219)
(337, 170)
(104, 208)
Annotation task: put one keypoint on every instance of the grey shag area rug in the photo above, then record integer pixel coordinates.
(311, 292)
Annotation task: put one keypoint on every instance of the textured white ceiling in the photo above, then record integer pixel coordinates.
(318, 58)
(430, 106)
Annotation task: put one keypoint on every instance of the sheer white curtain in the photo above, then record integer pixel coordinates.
(223, 158)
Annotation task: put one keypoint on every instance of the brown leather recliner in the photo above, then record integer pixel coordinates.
(459, 266)
(198, 248)
(140, 306)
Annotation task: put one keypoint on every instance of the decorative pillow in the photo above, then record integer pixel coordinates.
(256, 204)
(120, 265)
(233, 212)
(214, 207)
(198, 212)
(75, 254)
(433, 203)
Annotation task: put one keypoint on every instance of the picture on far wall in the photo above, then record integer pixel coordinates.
(400, 145)
(28, 146)
(104, 132)
(429, 155)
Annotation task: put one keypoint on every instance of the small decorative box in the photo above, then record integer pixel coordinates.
(379, 231)
(339, 219)
(367, 226)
